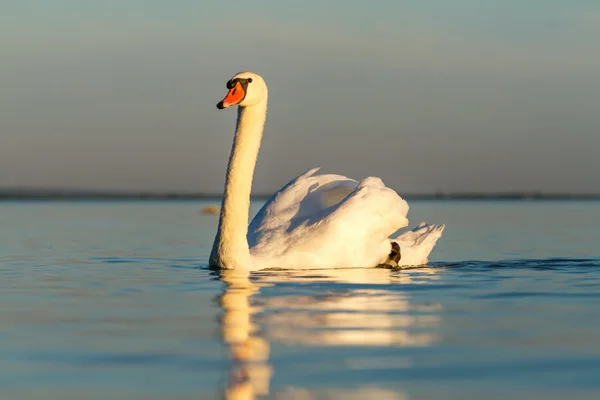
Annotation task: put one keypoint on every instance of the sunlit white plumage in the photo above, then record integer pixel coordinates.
(316, 221)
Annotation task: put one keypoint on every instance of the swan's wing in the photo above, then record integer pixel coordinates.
(303, 196)
(304, 225)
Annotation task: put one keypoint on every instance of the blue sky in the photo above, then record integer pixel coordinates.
(468, 95)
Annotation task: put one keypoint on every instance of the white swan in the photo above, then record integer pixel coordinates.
(313, 222)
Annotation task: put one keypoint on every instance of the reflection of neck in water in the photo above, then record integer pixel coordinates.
(250, 373)
(367, 308)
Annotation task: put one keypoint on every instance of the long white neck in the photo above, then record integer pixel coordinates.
(230, 249)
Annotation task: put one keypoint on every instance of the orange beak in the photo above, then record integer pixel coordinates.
(235, 96)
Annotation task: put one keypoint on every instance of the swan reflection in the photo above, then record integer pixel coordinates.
(250, 372)
(351, 307)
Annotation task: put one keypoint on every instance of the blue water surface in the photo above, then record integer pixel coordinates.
(113, 300)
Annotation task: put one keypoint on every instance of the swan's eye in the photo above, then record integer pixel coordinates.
(249, 80)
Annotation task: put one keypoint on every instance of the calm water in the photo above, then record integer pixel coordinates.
(113, 301)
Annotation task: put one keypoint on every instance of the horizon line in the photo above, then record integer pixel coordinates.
(104, 194)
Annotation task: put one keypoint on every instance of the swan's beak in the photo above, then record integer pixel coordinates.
(235, 96)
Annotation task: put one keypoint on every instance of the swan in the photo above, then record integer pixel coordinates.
(316, 221)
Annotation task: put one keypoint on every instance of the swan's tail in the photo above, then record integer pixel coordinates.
(416, 245)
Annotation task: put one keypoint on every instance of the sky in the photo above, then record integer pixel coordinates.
(452, 96)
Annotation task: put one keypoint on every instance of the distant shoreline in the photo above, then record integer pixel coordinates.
(72, 195)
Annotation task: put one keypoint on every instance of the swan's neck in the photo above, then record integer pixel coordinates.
(230, 249)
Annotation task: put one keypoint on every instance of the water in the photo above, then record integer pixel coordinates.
(113, 300)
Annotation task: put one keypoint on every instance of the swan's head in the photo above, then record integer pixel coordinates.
(245, 89)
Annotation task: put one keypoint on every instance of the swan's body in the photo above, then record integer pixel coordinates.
(315, 221)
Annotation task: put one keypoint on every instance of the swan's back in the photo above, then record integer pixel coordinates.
(327, 221)
(306, 195)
